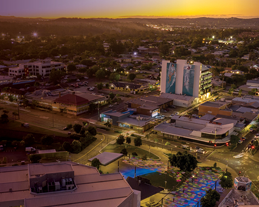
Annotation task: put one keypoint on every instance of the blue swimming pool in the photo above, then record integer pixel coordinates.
(139, 171)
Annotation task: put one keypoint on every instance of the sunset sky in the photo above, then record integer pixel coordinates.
(129, 8)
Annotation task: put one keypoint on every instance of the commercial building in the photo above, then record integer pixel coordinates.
(179, 100)
(5, 79)
(64, 184)
(187, 79)
(215, 108)
(217, 130)
(75, 102)
(125, 119)
(42, 68)
(241, 195)
(149, 105)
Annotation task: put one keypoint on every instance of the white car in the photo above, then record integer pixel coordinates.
(78, 80)
(257, 136)
(240, 141)
(110, 106)
(239, 155)
(86, 78)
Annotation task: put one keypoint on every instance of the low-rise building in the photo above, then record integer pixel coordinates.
(215, 108)
(64, 184)
(215, 131)
(71, 103)
(139, 123)
(179, 100)
(5, 79)
(150, 105)
(42, 68)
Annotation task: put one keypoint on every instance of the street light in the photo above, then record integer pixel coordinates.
(213, 37)
(35, 34)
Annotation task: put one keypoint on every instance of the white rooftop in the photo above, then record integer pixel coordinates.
(107, 157)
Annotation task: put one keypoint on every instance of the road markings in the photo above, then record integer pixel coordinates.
(25, 110)
(91, 149)
(44, 117)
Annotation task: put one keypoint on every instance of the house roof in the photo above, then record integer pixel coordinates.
(92, 189)
(71, 99)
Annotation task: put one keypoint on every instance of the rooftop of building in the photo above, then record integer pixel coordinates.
(114, 113)
(243, 179)
(187, 119)
(214, 104)
(139, 120)
(177, 97)
(155, 100)
(93, 189)
(71, 99)
(171, 129)
(239, 198)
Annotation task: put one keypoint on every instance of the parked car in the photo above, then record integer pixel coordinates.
(257, 136)
(86, 78)
(30, 149)
(65, 128)
(240, 141)
(110, 106)
(78, 80)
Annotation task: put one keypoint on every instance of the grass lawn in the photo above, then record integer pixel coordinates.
(14, 125)
(141, 76)
(117, 149)
(158, 179)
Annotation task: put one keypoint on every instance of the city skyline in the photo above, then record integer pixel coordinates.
(129, 9)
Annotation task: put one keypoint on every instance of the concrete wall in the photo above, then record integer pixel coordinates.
(197, 74)
(163, 75)
(179, 76)
(214, 110)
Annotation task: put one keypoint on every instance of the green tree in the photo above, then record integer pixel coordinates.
(128, 140)
(92, 130)
(77, 128)
(114, 77)
(96, 163)
(29, 140)
(47, 140)
(34, 104)
(66, 146)
(131, 76)
(76, 146)
(4, 118)
(10, 97)
(138, 141)
(71, 67)
(112, 95)
(210, 199)
(55, 76)
(69, 126)
(120, 140)
(43, 55)
(100, 74)
(108, 124)
(35, 158)
(234, 139)
(184, 161)
(100, 86)
(124, 152)
(226, 181)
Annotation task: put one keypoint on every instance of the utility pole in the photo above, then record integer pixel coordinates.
(98, 112)
(18, 109)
